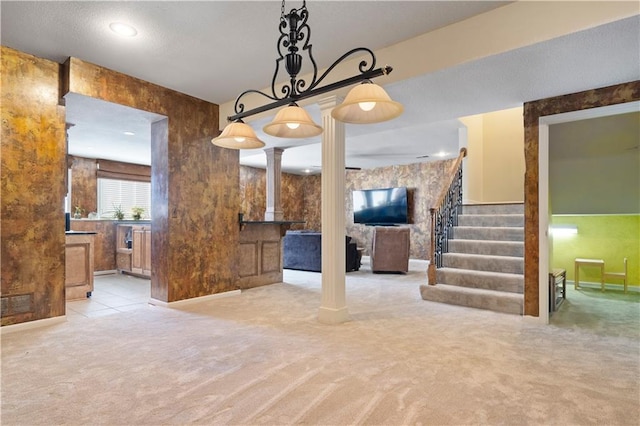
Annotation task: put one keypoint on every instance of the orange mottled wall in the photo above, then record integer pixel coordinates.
(295, 195)
(194, 184)
(302, 196)
(33, 164)
(84, 185)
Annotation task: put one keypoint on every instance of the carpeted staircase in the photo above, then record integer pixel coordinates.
(484, 267)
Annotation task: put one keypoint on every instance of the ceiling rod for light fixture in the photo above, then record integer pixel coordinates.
(293, 30)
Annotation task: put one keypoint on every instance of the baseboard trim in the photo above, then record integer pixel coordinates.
(611, 286)
(30, 325)
(105, 272)
(185, 302)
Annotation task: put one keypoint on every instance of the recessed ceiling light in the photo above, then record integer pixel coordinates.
(307, 170)
(129, 133)
(123, 29)
(441, 154)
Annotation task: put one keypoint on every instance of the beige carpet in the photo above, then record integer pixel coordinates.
(262, 358)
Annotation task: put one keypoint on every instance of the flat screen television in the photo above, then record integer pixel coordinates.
(384, 206)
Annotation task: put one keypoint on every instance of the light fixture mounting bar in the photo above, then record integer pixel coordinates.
(367, 75)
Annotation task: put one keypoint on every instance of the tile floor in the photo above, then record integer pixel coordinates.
(112, 293)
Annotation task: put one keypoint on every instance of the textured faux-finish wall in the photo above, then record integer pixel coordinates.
(302, 198)
(424, 182)
(294, 196)
(33, 164)
(607, 237)
(194, 184)
(84, 185)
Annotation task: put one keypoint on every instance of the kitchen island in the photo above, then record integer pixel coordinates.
(79, 264)
(260, 252)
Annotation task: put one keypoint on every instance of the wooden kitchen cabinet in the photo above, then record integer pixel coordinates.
(78, 265)
(134, 257)
(141, 254)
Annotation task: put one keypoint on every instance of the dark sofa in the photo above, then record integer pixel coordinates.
(303, 251)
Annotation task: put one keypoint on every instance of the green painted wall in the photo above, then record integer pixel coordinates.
(607, 237)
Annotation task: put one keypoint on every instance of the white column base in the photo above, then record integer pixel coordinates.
(333, 316)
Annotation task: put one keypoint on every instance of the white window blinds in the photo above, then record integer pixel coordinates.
(126, 194)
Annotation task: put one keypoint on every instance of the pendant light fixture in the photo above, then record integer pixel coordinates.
(365, 103)
(292, 122)
(238, 135)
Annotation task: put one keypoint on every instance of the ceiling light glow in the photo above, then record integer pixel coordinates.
(129, 133)
(123, 29)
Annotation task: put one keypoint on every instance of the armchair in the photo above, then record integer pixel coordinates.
(390, 249)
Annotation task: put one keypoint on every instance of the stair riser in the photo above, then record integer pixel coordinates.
(490, 248)
(491, 234)
(491, 220)
(463, 278)
(493, 208)
(495, 303)
(505, 265)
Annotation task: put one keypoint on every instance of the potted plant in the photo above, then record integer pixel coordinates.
(78, 212)
(137, 212)
(117, 212)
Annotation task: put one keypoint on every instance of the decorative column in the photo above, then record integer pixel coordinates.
(333, 309)
(274, 175)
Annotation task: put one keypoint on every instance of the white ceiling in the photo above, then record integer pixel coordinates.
(215, 50)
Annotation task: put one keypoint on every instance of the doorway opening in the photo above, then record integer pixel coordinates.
(550, 208)
(109, 147)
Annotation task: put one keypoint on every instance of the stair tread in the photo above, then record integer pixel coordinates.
(491, 215)
(480, 273)
(477, 298)
(475, 290)
(510, 242)
(491, 227)
(484, 256)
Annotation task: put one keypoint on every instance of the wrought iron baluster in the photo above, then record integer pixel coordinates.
(444, 217)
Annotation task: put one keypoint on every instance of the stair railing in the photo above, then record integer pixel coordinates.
(444, 216)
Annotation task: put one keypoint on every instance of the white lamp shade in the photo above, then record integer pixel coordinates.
(238, 135)
(292, 122)
(367, 103)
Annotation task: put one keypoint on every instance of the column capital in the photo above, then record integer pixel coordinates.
(330, 102)
(274, 150)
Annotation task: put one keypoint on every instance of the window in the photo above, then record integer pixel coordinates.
(124, 193)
